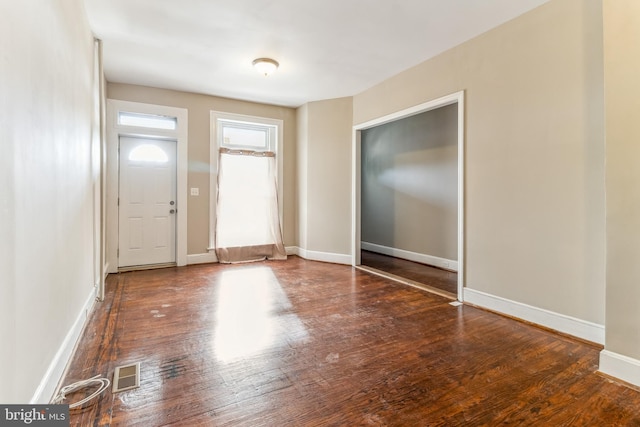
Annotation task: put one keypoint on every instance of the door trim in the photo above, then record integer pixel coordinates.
(114, 132)
(454, 98)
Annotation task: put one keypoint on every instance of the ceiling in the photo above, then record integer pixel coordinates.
(326, 49)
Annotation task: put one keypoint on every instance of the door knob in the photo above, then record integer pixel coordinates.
(172, 211)
(172, 203)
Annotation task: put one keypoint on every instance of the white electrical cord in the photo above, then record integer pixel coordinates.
(102, 382)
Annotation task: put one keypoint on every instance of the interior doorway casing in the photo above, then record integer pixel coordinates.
(114, 132)
(455, 98)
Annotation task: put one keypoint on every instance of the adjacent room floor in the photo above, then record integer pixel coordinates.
(432, 277)
(303, 343)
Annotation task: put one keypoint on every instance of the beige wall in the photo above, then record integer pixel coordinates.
(622, 107)
(534, 214)
(302, 174)
(324, 182)
(199, 108)
(46, 186)
(409, 184)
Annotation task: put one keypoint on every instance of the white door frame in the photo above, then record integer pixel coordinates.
(454, 98)
(114, 132)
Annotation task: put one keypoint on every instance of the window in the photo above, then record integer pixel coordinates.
(245, 135)
(246, 188)
(152, 121)
(148, 153)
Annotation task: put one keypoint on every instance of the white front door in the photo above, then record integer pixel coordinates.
(147, 202)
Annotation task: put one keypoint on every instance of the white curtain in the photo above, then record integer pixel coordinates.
(247, 219)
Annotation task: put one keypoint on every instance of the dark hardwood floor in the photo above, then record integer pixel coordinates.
(425, 274)
(303, 343)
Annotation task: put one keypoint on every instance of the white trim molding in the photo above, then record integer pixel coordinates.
(448, 264)
(291, 250)
(51, 379)
(319, 256)
(559, 322)
(201, 258)
(454, 98)
(619, 366)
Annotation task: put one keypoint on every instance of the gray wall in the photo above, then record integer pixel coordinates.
(409, 183)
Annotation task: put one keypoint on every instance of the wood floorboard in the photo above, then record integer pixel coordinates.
(303, 343)
(433, 277)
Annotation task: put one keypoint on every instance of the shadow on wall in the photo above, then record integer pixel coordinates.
(409, 183)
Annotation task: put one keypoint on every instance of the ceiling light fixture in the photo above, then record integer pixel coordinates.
(265, 66)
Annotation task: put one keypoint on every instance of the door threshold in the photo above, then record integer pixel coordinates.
(146, 267)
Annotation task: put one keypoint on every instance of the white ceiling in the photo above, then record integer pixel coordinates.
(326, 48)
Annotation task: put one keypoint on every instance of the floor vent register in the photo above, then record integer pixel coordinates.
(126, 377)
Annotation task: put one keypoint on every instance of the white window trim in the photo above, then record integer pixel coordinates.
(213, 161)
(271, 140)
(114, 132)
(145, 116)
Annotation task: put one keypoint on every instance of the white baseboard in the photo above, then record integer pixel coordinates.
(620, 366)
(319, 256)
(291, 250)
(47, 387)
(108, 269)
(566, 324)
(202, 258)
(448, 264)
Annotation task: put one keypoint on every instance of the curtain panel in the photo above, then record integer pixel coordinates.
(247, 217)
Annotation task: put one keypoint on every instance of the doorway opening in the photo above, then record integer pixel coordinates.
(409, 194)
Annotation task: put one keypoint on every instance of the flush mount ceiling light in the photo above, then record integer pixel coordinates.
(265, 66)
